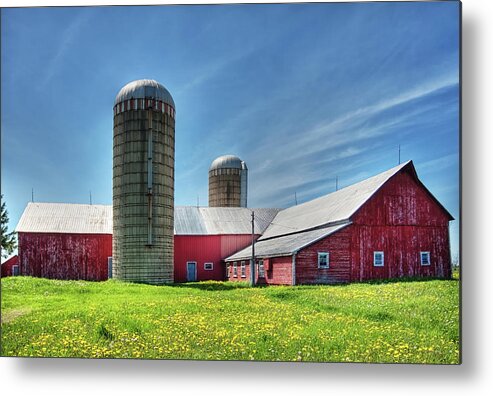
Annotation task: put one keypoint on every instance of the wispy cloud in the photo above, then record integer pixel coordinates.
(66, 43)
(310, 159)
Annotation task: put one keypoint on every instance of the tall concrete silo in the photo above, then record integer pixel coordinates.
(228, 182)
(143, 183)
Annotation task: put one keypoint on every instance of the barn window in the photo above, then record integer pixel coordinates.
(323, 260)
(208, 266)
(425, 258)
(15, 270)
(235, 270)
(378, 259)
(261, 272)
(243, 270)
(227, 270)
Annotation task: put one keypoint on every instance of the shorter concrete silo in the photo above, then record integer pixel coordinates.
(228, 182)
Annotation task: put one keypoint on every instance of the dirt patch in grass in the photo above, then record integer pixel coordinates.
(13, 314)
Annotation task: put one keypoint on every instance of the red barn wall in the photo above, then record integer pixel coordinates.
(203, 249)
(278, 271)
(7, 266)
(338, 246)
(401, 219)
(65, 256)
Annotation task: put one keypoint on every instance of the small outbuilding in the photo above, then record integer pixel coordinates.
(10, 267)
(387, 226)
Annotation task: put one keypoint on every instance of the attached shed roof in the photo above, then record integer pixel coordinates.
(40, 217)
(66, 218)
(191, 220)
(334, 207)
(286, 245)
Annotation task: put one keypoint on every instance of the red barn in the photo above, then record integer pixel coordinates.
(65, 241)
(205, 236)
(72, 241)
(387, 226)
(10, 266)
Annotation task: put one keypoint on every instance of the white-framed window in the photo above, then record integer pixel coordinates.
(425, 258)
(378, 259)
(227, 270)
(323, 259)
(261, 272)
(235, 269)
(243, 269)
(208, 266)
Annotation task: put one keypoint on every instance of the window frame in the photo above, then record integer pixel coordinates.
(319, 256)
(261, 272)
(375, 253)
(209, 269)
(428, 254)
(235, 269)
(243, 269)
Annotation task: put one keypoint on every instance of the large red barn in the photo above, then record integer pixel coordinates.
(65, 241)
(387, 226)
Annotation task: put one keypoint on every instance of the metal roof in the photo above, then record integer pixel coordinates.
(334, 207)
(66, 218)
(43, 217)
(191, 220)
(285, 245)
(227, 161)
(145, 89)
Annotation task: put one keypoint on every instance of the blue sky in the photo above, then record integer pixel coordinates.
(302, 92)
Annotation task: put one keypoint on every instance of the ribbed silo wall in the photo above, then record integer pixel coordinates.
(134, 259)
(225, 187)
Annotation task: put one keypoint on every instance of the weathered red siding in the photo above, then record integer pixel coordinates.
(339, 249)
(278, 271)
(65, 256)
(204, 249)
(401, 219)
(7, 266)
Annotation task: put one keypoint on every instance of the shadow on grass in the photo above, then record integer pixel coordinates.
(407, 280)
(212, 286)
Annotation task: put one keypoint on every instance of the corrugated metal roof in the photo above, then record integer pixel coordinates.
(227, 161)
(190, 220)
(334, 207)
(43, 217)
(285, 245)
(66, 218)
(144, 89)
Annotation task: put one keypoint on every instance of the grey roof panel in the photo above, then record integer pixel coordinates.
(334, 207)
(66, 218)
(190, 220)
(98, 219)
(286, 245)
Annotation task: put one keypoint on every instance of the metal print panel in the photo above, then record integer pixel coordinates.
(268, 182)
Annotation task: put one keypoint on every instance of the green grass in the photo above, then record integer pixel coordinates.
(405, 322)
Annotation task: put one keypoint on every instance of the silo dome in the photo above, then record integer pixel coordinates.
(227, 161)
(228, 182)
(145, 89)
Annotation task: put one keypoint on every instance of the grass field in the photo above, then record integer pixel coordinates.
(405, 322)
